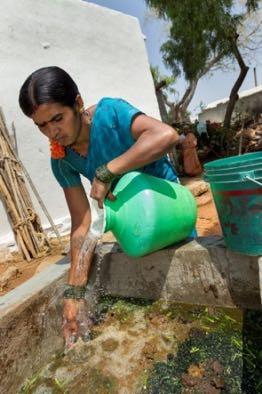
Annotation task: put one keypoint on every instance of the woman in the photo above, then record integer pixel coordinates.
(191, 163)
(101, 143)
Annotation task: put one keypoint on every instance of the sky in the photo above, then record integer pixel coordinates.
(210, 88)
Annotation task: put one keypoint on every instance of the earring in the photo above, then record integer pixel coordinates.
(82, 110)
(88, 117)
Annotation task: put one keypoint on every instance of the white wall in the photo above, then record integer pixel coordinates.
(250, 103)
(103, 50)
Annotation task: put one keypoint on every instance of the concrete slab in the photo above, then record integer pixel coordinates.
(202, 271)
(30, 325)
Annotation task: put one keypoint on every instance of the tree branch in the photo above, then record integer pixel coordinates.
(160, 85)
(234, 92)
(180, 108)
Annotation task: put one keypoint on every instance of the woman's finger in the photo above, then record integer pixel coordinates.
(69, 332)
(100, 203)
(110, 196)
(70, 340)
(92, 192)
(66, 333)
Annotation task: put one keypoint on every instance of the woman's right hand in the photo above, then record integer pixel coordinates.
(76, 321)
(100, 190)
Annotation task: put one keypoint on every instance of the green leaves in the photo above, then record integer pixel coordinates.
(200, 30)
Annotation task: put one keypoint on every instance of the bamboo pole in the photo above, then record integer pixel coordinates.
(8, 202)
(40, 201)
(20, 210)
(26, 225)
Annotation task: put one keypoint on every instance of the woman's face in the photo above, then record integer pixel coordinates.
(57, 122)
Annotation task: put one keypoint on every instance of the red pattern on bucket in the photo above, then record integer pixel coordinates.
(240, 192)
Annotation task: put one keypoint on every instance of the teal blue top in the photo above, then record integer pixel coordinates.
(110, 136)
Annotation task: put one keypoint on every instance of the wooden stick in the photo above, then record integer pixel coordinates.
(15, 146)
(241, 140)
(28, 232)
(11, 207)
(40, 201)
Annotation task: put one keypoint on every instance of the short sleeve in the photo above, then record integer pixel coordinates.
(125, 113)
(65, 174)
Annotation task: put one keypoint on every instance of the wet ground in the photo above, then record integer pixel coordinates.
(140, 347)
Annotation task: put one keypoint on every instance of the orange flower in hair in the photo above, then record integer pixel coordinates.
(57, 150)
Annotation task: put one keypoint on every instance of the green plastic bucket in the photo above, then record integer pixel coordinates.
(236, 185)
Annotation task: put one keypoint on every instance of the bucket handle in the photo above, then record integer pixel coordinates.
(253, 180)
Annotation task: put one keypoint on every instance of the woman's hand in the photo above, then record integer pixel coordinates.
(76, 321)
(100, 191)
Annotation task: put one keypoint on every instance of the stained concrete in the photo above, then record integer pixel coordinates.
(202, 271)
(30, 326)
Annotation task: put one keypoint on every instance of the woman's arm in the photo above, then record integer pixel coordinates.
(76, 320)
(80, 222)
(153, 140)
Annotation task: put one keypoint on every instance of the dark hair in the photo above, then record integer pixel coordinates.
(47, 85)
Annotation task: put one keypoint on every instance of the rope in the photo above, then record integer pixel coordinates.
(25, 221)
(4, 158)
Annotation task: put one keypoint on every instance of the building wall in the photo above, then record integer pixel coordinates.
(244, 104)
(102, 49)
(216, 114)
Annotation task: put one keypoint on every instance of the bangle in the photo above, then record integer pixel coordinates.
(75, 292)
(103, 174)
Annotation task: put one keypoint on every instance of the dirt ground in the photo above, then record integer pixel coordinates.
(207, 224)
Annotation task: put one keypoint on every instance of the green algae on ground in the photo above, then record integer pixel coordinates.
(53, 386)
(230, 360)
(206, 317)
(140, 346)
(199, 350)
(119, 307)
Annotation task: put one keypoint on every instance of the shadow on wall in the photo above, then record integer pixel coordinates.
(239, 272)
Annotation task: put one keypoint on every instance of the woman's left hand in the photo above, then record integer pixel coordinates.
(100, 191)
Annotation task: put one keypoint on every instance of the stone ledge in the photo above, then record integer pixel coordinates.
(202, 271)
(30, 326)
(22, 295)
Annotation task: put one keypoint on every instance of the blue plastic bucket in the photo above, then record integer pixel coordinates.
(236, 185)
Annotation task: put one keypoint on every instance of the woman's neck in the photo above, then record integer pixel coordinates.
(82, 140)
